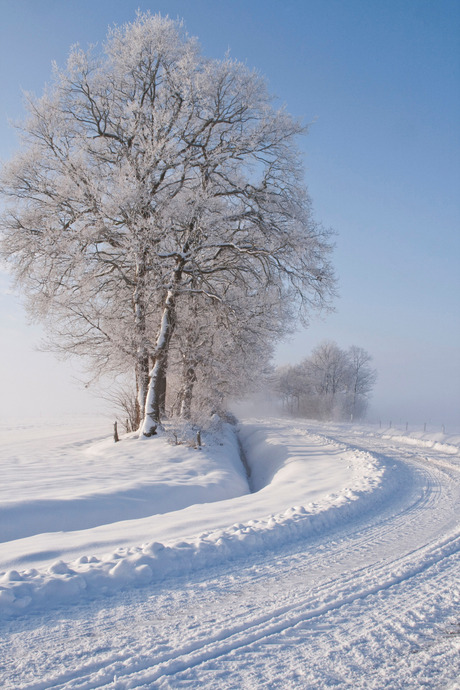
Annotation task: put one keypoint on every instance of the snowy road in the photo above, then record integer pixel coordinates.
(369, 603)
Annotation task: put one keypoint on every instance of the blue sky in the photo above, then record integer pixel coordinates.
(380, 83)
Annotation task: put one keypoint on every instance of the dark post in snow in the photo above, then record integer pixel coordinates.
(115, 433)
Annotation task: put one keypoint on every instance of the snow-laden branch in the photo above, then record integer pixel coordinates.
(159, 194)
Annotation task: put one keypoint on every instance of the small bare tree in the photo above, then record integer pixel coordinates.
(331, 383)
(361, 380)
(328, 367)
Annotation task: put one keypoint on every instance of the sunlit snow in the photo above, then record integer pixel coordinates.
(87, 525)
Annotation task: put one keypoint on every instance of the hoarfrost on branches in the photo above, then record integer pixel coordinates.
(159, 198)
(330, 384)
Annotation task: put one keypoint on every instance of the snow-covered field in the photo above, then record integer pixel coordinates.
(145, 564)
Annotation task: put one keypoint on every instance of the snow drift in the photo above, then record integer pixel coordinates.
(132, 513)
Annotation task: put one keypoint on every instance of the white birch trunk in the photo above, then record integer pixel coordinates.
(153, 401)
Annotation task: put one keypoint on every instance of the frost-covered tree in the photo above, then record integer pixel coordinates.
(292, 383)
(328, 372)
(222, 351)
(361, 379)
(330, 384)
(149, 177)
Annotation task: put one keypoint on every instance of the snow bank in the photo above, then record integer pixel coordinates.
(448, 443)
(79, 485)
(304, 485)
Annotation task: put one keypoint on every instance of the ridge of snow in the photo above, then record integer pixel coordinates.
(311, 483)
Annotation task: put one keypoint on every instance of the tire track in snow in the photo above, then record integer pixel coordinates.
(327, 599)
(396, 547)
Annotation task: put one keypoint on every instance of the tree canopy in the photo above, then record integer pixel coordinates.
(159, 199)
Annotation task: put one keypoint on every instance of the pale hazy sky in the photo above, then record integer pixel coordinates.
(380, 83)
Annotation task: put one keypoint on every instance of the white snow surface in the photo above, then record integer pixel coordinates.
(148, 564)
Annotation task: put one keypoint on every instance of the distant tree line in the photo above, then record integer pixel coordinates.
(330, 384)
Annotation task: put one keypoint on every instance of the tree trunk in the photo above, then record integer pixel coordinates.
(142, 357)
(142, 384)
(188, 379)
(162, 387)
(158, 372)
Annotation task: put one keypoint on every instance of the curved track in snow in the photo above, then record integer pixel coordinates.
(371, 603)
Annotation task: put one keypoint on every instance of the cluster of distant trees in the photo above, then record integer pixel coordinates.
(157, 221)
(330, 384)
